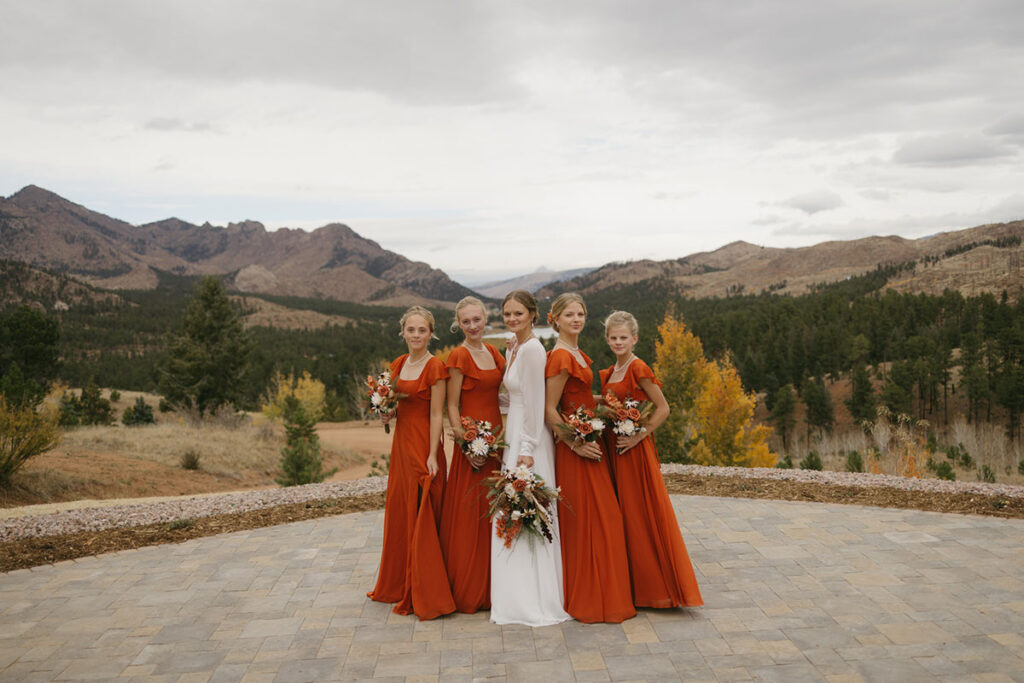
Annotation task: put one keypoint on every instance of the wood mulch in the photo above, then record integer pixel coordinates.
(33, 552)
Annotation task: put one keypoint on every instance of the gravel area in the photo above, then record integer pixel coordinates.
(127, 515)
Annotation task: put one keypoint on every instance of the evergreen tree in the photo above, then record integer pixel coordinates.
(207, 361)
(861, 403)
(300, 458)
(820, 413)
(28, 356)
(784, 413)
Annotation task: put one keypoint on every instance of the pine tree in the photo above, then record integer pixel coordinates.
(820, 413)
(861, 403)
(207, 361)
(300, 458)
(784, 413)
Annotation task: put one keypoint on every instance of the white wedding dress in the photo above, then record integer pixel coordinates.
(526, 579)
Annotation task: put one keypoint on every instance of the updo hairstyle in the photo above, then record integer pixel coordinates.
(420, 311)
(621, 319)
(463, 303)
(561, 303)
(526, 299)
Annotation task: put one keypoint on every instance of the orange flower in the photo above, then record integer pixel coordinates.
(621, 414)
(633, 413)
(585, 427)
(382, 390)
(519, 484)
(489, 439)
(470, 434)
(466, 422)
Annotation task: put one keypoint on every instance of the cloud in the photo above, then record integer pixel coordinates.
(814, 202)
(950, 150)
(176, 125)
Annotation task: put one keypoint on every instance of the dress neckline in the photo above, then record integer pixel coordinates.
(487, 348)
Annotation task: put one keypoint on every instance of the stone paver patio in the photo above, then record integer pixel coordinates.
(794, 592)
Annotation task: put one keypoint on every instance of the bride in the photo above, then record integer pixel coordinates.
(526, 579)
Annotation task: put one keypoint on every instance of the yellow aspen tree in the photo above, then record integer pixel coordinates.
(310, 393)
(725, 423)
(442, 354)
(682, 368)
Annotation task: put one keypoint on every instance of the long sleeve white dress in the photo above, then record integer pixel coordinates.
(526, 579)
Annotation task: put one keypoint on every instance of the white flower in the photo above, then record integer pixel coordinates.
(598, 425)
(376, 399)
(625, 428)
(523, 472)
(485, 426)
(510, 490)
(478, 446)
(516, 514)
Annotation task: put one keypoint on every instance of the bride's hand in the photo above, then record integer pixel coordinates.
(588, 450)
(524, 460)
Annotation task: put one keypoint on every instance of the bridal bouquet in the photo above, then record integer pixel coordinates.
(478, 438)
(521, 501)
(382, 397)
(581, 425)
(628, 417)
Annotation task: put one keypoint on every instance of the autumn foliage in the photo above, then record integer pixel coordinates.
(308, 391)
(712, 418)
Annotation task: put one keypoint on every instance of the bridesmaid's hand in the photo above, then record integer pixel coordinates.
(624, 443)
(386, 417)
(588, 450)
(524, 460)
(432, 465)
(476, 461)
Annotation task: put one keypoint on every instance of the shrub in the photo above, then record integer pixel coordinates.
(300, 458)
(190, 459)
(88, 409)
(854, 463)
(381, 466)
(115, 395)
(180, 523)
(785, 462)
(164, 406)
(944, 470)
(24, 433)
(139, 414)
(959, 455)
(1020, 467)
(811, 462)
(986, 474)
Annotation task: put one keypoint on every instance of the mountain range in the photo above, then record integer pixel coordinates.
(43, 229)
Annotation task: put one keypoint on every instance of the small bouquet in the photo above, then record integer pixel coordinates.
(478, 439)
(521, 501)
(382, 397)
(581, 425)
(628, 417)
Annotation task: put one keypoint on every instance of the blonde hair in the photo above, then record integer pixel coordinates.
(561, 303)
(621, 319)
(420, 311)
(463, 303)
(526, 299)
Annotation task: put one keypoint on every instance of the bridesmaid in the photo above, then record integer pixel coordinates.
(412, 571)
(593, 544)
(661, 571)
(474, 375)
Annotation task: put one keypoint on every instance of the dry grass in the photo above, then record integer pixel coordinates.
(985, 442)
(222, 450)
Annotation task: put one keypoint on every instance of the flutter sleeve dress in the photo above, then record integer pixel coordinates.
(660, 567)
(465, 526)
(596, 572)
(412, 572)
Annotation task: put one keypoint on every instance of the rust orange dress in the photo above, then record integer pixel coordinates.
(595, 569)
(661, 570)
(412, 571)
(465, 527)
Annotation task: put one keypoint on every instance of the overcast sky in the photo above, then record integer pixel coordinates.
(491, 138)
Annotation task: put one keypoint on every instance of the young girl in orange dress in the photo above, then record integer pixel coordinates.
(596, 571)
(412, 571)
(474, 375)
(660, 567)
